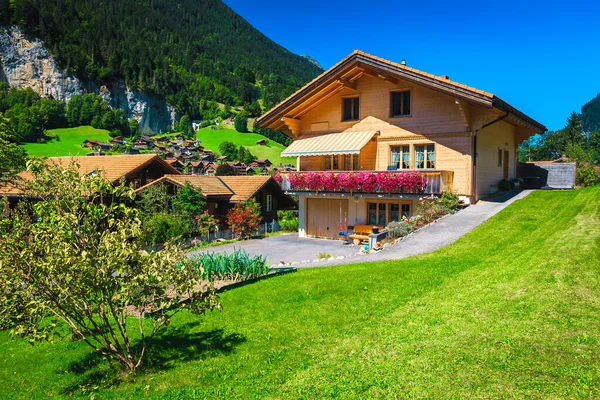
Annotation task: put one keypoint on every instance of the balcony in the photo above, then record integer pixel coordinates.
(357, 183)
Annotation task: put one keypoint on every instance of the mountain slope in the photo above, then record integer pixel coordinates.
(190, 51)
(590, 115)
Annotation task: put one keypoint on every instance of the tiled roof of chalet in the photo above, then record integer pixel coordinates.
(113, 167)
(440, 79)
(209, 185)
(244, 187)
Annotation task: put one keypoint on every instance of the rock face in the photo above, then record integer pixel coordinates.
(26, 63)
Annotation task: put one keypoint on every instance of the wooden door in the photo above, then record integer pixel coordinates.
(505, 165)
(324, 216)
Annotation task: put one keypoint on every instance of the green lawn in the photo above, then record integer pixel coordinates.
(212, 138)
(70, 143)
(511, 310)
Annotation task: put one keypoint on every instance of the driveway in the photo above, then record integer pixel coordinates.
(303, 252)
(288, 248)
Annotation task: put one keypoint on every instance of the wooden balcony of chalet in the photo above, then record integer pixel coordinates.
(434, 182)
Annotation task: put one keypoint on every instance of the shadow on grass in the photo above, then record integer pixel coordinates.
(172, 347)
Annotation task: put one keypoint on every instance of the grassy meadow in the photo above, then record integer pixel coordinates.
(66, 142)
(511, 310)
(212, 138)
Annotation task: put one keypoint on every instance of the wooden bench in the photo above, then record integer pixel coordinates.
(361, 233)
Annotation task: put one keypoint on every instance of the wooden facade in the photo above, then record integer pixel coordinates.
(427, 122)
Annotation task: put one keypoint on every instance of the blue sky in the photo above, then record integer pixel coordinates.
(541, 57)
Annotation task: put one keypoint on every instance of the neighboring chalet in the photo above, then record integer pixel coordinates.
(137, 170)
(370, 114)
(222, 192)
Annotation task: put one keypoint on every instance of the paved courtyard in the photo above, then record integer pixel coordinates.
(288, 248)
(303, 252)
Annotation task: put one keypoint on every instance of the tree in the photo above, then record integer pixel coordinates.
(82, 266)
(153, 200)
(12, 156)
(225, 170)
(133, 126)
(188, 201)
(229, 150)
(241, 123)
(244, 218)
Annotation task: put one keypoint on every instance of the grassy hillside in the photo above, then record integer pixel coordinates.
(66, 142)
(211, 138)
(511, 310)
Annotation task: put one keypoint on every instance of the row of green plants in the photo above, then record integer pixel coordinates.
(288, 220)
(429, 209)
(237, 265)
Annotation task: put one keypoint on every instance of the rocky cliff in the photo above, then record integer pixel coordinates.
(26, 63)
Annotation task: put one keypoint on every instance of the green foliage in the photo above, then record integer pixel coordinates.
(12, 157)
(449, 200)
(190, 52)
(586, 176)
(244, 218)
(153, 200)
(29, 114)
(229, 150)
(504, 185)
(288, 220)
(245, 156)
(225, 170)
(237, 265)
(80, 265)
(428, 210)
(241, 123)
(91, 109)
(188, 201)
(276, 136)
(398, 229)
(590, 115)
(507, 316)
(166, 228)
(323, 255)
(571, 142)
(133, 126)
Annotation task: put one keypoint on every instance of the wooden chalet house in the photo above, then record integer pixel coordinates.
(401, 132)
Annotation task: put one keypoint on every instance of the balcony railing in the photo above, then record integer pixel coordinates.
(364, 182)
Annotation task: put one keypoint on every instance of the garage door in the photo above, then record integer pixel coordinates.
(324, 216)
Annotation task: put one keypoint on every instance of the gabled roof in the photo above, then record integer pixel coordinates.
(357, 63)
(211, 186)
(244, 187)
(113, 167)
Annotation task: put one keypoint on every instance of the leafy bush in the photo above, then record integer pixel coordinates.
(288, 220)
(429, 209)
(237, 265)
(322, 255)
(244, 218)
(586, 176)
(504, 185)
(449, 200)
(289, 225)
(163, 228)
(398, 229)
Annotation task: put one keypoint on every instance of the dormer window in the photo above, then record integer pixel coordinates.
(400, 104)
(351, 109)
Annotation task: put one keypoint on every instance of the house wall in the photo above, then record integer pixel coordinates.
(435, 118)
(431, 111)
(357, 208)
(489, 140)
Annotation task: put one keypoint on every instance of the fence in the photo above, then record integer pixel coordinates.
(227, 234)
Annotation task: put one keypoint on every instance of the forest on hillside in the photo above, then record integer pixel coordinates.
(193, 52)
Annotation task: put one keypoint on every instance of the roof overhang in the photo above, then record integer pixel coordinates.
(345, 74)
(330, 144)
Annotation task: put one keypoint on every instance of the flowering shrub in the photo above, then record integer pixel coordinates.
(277, 177)
(244, 218)
(362, 181)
